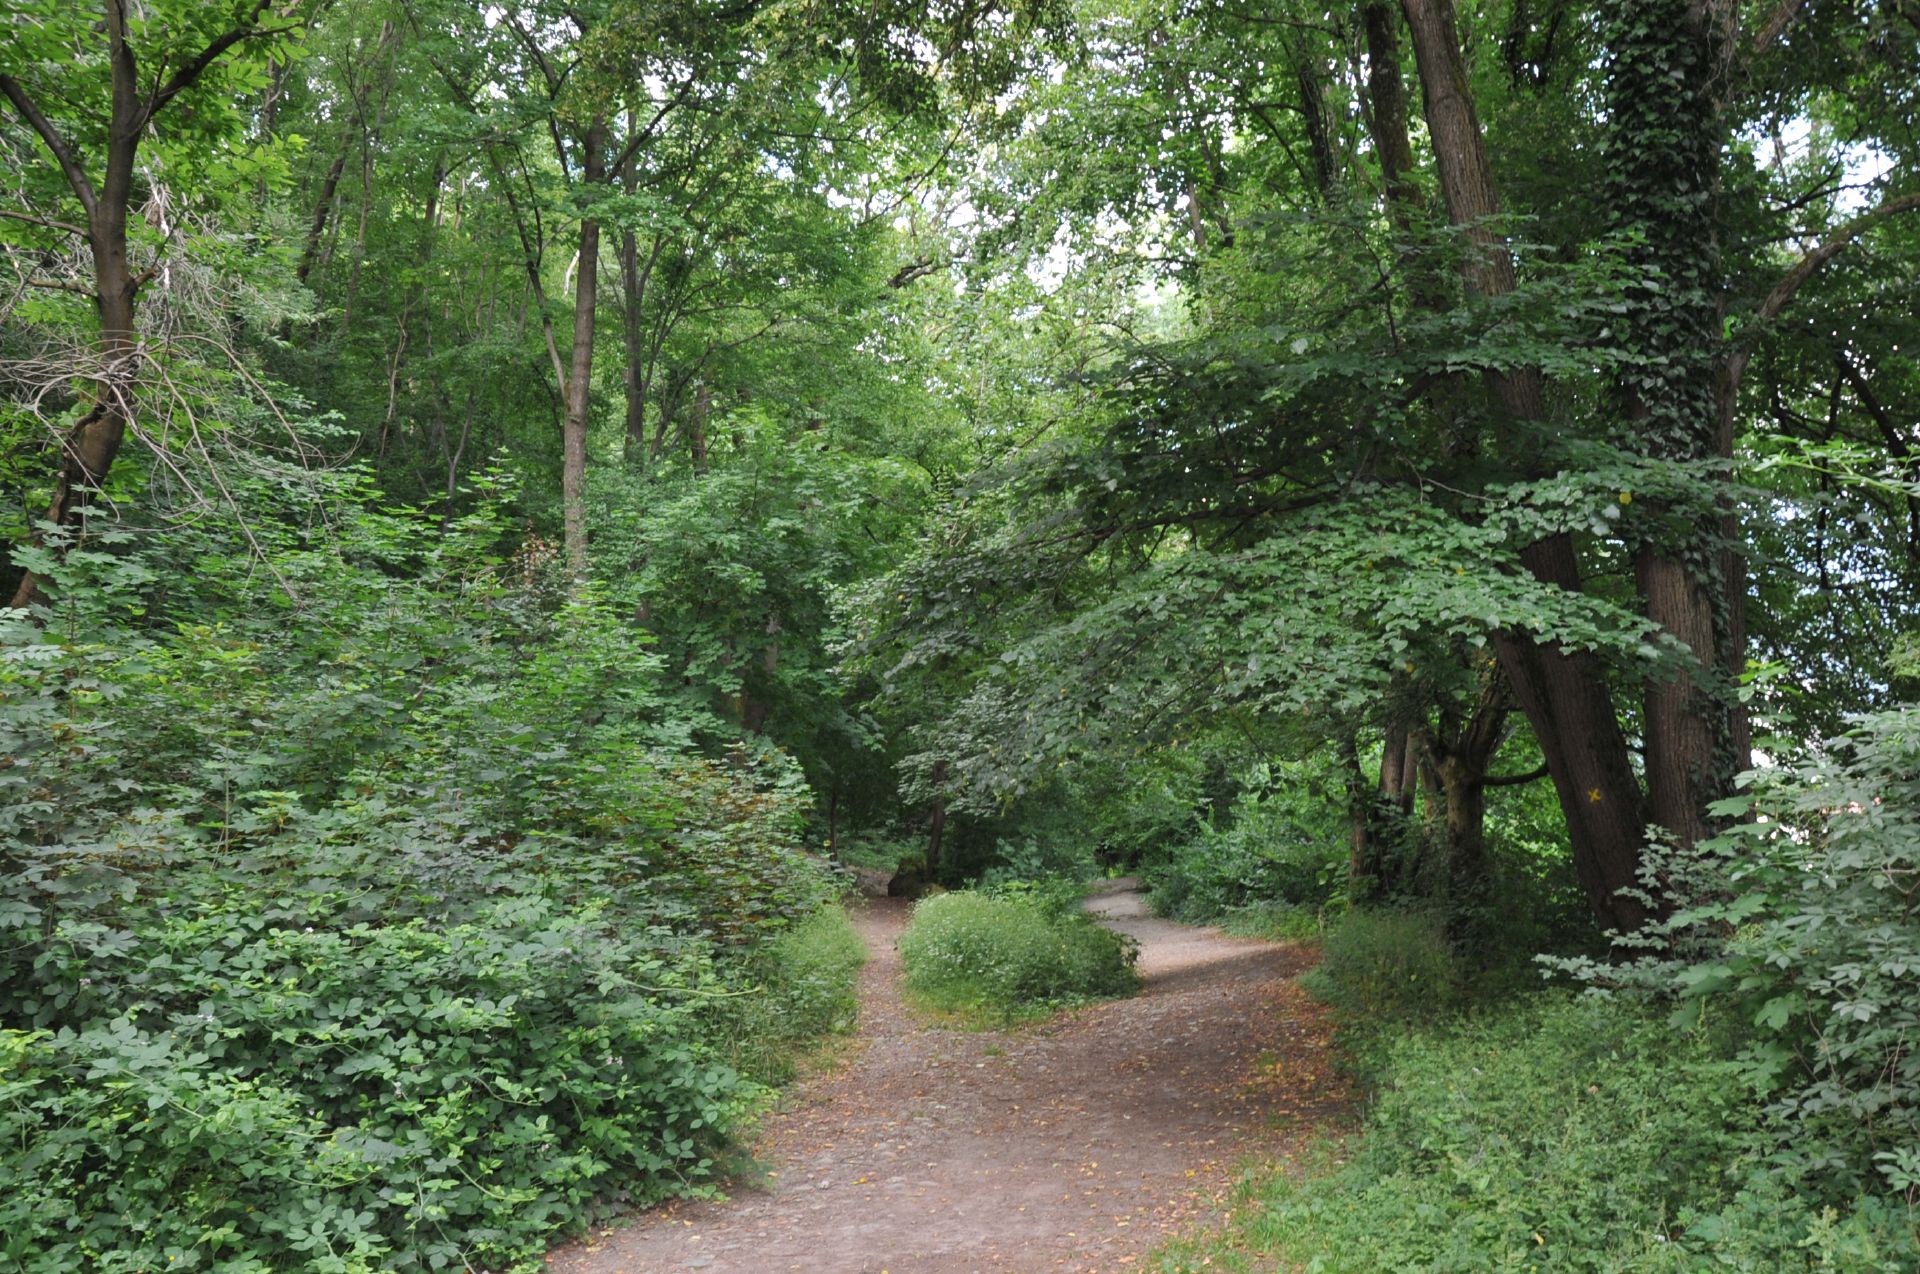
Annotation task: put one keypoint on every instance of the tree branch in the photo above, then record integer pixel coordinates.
(1830, 248)
(197, 65)
(48, 222)
(1514, 780)
(1770, 29)
(641, 138)
(1776, 300)
(62, 153)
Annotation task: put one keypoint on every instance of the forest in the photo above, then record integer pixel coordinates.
(510, 511)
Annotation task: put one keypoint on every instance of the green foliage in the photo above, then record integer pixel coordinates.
(1389, 965)
(1281, 842)
(804, 990)
(391, 941)
(1011, 955)
(1802, 929)
(1059, 864)
(236, 1085)
(1274, 922)
(880, 849)
(1559, 1134)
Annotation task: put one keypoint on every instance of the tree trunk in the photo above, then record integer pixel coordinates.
(87, 451)
(635, 275)
(632, 299)
(329, 188)
(1663, 147)
(1310, 75)
(937, 821)
(323, 207)
(1363, 867)
(1464, 819)
(1563, 693)
(579, 386)
(697, 425)
(1387, 113)
(1397, 777)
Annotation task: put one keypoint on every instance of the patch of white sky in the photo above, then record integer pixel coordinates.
(1799, 143)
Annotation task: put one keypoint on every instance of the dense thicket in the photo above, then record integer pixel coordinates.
(494, 500)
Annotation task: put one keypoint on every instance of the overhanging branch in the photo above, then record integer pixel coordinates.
(62, 153)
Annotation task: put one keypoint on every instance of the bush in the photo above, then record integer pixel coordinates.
(1058, 897)
(1065, 862)
(1388, 966)
(388, 942)
(885, 849)
(1559, 1134)
(233, 1092)
(970, 950)
(804, 989)
(1274, 922)
(1802, 926)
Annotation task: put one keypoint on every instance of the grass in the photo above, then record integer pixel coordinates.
(1273, 922)
(985, 959)
(807, 977)
(1546, 1132)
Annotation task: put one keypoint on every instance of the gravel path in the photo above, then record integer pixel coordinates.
(1074, 1145)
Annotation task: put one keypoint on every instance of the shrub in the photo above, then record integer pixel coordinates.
(390, 942)
(1802, 925)
(1064, 860)
(1274, 922)
(885, 849)
(240, 1093)
(1283, 843)
(803, 989)
(1388, 965)
(1059, 897)
(969, 950)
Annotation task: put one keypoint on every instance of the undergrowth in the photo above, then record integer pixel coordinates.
(1274, 922)
(804, 991)
(1556, 1133)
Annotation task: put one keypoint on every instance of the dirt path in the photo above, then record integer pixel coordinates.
(1074, 1145)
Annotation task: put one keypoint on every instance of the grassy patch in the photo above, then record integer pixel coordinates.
(1273, 922)
(806, 979)
(1552, 1132)
(971, 953)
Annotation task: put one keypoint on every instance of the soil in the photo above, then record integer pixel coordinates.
(1078, 1144)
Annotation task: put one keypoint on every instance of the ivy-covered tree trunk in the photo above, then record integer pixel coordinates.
(1663, 149)
(1563, 693)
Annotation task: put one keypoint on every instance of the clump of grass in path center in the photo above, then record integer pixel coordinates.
(1011, 958)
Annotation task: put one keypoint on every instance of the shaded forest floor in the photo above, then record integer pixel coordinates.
(1076, 1145)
